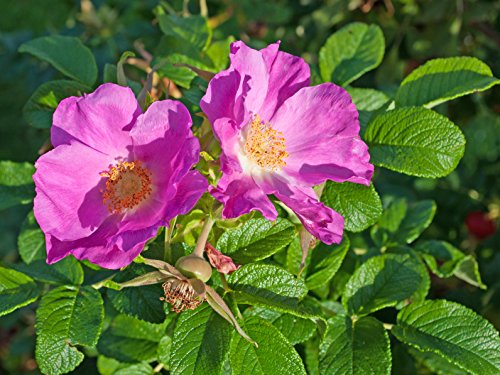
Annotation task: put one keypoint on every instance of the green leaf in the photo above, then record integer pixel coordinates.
(65, 271)
(200, 343)
(16, 183)
(295, 329)
(219, 53)
(440, 80)
(31, 240)
(367, 101)
(141, 302)
(415, 141)
(325, 262)
(355, 347)
(349, 53)
(403, 223)
(137, 369)
(67, 54)
(256, 239)
(436, 364)
(452, 262)
(131, 340)
(268, 286)
(67, 316)
(181, 76)
(452, 331)
(359, 205)
(193, 29)
(16, 290)
(274, 355)
(382, 281)
(41, 105)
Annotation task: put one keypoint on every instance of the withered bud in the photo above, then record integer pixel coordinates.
(181, 295)
(193, 266)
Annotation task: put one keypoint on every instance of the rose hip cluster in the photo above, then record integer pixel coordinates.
(116, 174)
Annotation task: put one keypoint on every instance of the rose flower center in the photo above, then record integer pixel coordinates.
(128, 184)
(265, 145)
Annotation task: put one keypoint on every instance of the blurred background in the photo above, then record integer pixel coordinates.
(415, 31)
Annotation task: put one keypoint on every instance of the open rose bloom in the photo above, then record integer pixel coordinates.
(115, 175)
(279, 136)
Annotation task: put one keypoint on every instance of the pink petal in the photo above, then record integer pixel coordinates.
(189, 191)
(319, 220)
(287, 75)
(100, 119)
(240, 195)
(69, 204)
(219, 261)
(321, 127)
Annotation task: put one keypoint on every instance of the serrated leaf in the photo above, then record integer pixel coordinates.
(65, 53)
(65, 271)
(16, 183)
(415, 141)
(31, 240)
(403, 223)
(67, 316)
(268, 286)
(440, 80)
(131, 340)
(141, 302)
(352, 51)
(382, 281)
(325, 262)
(193, 29)
(451, 262)
(41, 105)
(359, 205)
(16, 290)
(355, 347)
(274, 355)
(200, 343)
(452, 331)
(256, 239)
(295, 329)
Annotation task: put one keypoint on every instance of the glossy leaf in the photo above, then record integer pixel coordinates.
(256, 239)
(403, 222)
(131, 340)
(16, 290)
(31, 240)
(41, 105)
(274, 354)
(352, 51)
(65, 53)
(415, 141)
(325, 262)
(359, 205)
(67, 316)
(382, 281)
(355, 347)
(445, 260)
(440, 80)
(200, 343)
(268, 286)
(16, 183)
(452, 331)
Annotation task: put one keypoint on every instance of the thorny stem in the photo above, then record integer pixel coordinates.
(202, 240)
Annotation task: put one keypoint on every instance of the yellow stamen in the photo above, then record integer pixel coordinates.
(265, 145)
(128, 184)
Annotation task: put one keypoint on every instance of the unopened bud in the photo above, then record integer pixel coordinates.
(193, 266)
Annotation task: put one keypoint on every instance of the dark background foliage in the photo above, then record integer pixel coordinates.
(415, 31)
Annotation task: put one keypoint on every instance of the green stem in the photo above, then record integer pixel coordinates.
(167, 250)
(202, 240)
